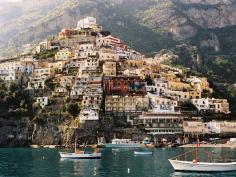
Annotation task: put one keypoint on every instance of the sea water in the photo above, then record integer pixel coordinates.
(27, 162)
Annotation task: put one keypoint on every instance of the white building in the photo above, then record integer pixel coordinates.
(42, 46)
(162, 105)
(42, 101)
(77, 91)
(61, 90)
(87, 22)
(108, 55)
(10, 75)
(12, 71)
(41, 73)
(89, 64)
(159, 88)
(213, 127)
(212, 104)
(86, 47)
(23, 67)
(161, 123)
(88, 115)
(109, 41)
(36, 83)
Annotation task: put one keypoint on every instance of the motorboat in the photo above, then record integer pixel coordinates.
(123, 143)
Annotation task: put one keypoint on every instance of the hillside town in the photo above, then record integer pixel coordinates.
(100, 80)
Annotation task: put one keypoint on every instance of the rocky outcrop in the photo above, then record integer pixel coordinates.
(210, 13)
(212, 42)
(184, 18)
(15, 132)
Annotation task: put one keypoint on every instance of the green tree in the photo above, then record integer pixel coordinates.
(73, 109)
(13, 87)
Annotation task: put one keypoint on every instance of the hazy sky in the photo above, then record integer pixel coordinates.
(13, 0)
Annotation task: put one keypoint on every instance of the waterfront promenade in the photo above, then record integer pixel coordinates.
(210, 145)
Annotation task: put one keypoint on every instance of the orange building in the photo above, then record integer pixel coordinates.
(67, 33)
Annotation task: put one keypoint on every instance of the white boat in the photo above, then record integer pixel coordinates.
(202, 166)
(81, 155)
(143, 152)
(213, 164)
(123, 143)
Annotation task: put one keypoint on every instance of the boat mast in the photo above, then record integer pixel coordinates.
(197, 149)
(75, 141)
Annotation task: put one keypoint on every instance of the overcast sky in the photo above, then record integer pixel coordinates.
(13, 0)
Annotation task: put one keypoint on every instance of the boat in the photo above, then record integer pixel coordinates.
(143, 152)
(202, 166)
(209, 163)
(80, 155)
(77, 154)
(123, 143)
(232, 141)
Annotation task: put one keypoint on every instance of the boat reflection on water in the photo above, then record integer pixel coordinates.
(82, 167)
(189, 174)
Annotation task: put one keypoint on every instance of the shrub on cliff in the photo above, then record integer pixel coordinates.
(15, 101)
(73, 109)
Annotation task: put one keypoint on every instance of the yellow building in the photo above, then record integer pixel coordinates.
(108, 56)
(64, 55)
(109, 68)
(136, 63)
(205, 84)
(125, 103)
(60, 65)
(175, 85)
(170, 76)
(195, 94)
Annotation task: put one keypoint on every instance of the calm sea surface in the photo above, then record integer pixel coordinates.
(26, 162)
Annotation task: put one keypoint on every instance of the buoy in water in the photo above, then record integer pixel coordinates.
(95, 172)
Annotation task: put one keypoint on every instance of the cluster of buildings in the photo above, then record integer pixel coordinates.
(105, 76)
(197, 126)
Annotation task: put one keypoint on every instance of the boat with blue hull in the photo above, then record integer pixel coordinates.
(143, 152)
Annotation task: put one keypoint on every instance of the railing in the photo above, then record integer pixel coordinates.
(203, 156)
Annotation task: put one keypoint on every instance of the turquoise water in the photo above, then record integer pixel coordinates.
(26, 162)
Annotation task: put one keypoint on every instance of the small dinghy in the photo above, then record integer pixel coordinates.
(143, 152)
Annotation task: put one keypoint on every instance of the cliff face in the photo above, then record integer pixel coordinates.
(161, 19)
(19, 16)
(15, 132)
(184, 18)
